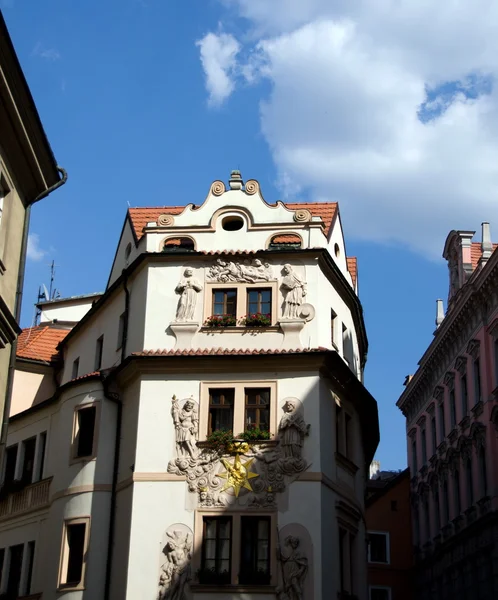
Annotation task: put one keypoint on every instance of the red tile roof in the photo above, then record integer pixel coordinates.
(140, 216)
(143, 215)
(40, 343)
(352, 263)
(224, 351)
(286, 239)
(476, 253)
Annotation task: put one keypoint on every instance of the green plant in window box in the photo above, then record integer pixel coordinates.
(212, 577)
(217, 321)
(257, 320)
(254, 434)
(219, 440)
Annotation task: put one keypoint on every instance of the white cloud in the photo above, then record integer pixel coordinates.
(343, 118)
(46, 53)
(219, 61)
(34, 252)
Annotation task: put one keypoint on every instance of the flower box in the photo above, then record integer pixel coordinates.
(257, 320)
(217, 321)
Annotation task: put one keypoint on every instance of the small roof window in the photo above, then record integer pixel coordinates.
(179, 244)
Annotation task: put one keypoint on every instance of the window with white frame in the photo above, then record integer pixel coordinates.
(378, 547)
(238, 407)
(75, 540)
(380, 592)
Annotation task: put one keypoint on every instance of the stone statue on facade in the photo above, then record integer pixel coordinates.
(242, 272)
(176, 570)
(292, 430)
(186, 421)
(294, 570)
(294, 290)
(188, 288)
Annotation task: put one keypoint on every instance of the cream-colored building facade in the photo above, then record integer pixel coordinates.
(28, 173)
(207, 434)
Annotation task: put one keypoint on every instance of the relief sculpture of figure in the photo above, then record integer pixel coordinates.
(292, 430)
(246, 272)
(188, 288)
(186, 422)
(294, 570)
(175, 572)
(294, 289)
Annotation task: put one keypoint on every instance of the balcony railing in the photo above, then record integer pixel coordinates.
(32, 496)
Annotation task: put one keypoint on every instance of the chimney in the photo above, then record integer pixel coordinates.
(439, 312)
(486, 245)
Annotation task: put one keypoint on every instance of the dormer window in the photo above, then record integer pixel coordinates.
(179, 244)
(285, 241)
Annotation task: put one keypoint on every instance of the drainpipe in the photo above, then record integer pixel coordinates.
(18, 302)
(119, 405)
(112, 512)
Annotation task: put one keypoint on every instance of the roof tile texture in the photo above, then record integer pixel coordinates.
(225, 352)
(140, 216)
(353, 268)
(476, 253)
(40, 343)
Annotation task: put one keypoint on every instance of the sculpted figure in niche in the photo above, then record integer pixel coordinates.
(188, 288)
(175, 572)
(294, 570)
(186, 422)
(292, 430)
(294, 290)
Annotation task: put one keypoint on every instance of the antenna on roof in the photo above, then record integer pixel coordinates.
(45, 295)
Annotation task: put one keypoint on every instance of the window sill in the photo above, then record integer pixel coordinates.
(81, 459)
(233, 589)
(238, 329)
(68, 587)
(346, 463)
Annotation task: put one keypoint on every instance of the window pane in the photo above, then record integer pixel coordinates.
(378, 547)
(86, 430)
(216, 551)
(10, 463)
(28, 460)
(255, 555)
(76, 545)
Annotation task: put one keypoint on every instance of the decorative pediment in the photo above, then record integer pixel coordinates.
(449, 380)
(431, 408)
(493, 329)
(412, 434)
(421, 421)
(461, 365)
(438, 393)
(473, 348)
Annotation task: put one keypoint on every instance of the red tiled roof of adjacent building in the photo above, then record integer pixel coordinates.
(40, 343)
(140, 216)
(476, 253)
(225, 352)
(352, 263)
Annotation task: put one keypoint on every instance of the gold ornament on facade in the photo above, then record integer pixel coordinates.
(237, 475)
(165, 220)
(217, 188)
(302, 216)
(252, 186)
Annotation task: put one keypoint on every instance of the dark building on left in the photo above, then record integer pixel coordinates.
(28, 173)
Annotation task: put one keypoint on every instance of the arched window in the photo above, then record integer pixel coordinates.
(179, 244)
(285, 241)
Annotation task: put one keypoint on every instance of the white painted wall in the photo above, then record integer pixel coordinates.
(67, 309)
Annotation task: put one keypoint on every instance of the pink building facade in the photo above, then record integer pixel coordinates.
(451, 410)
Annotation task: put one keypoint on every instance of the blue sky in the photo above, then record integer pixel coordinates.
(146, 102)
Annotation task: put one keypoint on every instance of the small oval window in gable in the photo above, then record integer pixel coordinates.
(285, 241)
(232, 223)
(179, 244)
(128, 251)
(337, 250)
